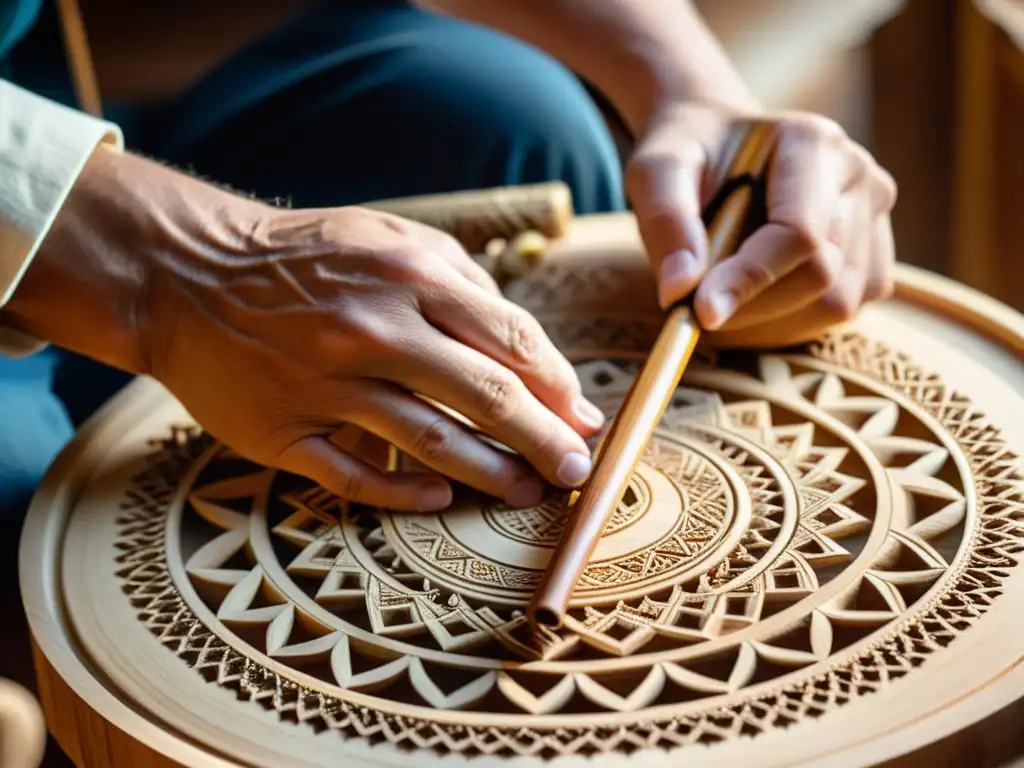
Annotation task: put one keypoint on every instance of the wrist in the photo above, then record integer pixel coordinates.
(690, 68)
(82, 287)
(133, 244)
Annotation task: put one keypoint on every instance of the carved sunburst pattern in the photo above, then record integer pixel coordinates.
(793, 518)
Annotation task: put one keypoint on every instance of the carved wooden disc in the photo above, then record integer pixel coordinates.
(816, 563)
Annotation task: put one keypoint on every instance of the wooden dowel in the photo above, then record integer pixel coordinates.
(474, 218)
(80, 61)
(617, 456)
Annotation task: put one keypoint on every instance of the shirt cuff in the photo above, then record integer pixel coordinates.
(43, 148)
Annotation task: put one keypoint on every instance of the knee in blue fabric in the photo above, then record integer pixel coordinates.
(363, 101)
(34, 426)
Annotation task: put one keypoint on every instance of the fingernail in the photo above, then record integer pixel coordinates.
(677, 277)
(722, 306)
(435, 497)
(525, 493)
(574, 469)
(679, 266)
(588, 413)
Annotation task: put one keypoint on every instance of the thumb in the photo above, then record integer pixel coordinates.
(663, 184)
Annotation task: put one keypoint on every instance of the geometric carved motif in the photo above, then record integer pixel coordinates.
(822, 522)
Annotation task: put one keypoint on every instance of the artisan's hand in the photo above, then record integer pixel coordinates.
(276, 328)
(826, 250)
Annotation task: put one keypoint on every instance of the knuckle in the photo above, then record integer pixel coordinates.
(888, 189)
(804, 233)
(548, 443)
(647, 162)
(647, 165)
(750, 279)
(878, 182)
(446, 243)
(659, 216)
(839, 305)
(823, 265)
(397, 224)
(879, 288)
(434, 441)
(809, 125)
(815, 240)
(410, 264)
(477, 274)
(522, 338)
(807, 235)
(498, 399)
(861, 163)
(373, 332)
(348, 486)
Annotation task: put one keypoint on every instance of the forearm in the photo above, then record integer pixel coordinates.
(130, 229)
(639, 53)
(80, 289)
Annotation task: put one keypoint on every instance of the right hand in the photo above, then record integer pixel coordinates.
(275, 328)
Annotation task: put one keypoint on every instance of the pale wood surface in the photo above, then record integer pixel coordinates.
(852, 537)
(477, 217)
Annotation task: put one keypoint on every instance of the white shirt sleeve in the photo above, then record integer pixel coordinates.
(43, 148)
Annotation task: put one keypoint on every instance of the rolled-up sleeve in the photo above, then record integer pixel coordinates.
(43, 148)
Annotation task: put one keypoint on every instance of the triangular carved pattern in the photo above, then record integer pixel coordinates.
(970, 592)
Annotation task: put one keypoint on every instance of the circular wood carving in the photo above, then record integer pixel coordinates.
(817, 560)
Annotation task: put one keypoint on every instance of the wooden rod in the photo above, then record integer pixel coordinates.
(476, 217)
(617, 456)
(80, 61)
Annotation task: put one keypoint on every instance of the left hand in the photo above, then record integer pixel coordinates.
(826, 250)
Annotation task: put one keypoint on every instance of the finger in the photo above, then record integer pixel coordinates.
(806, 178)
(449, 249)
(805, 325)
(879, 183)
(772, 253)
(497, 402)
(317, 458)
(850, 231)
(663, 182)
(512, 336)
(441, 443)
(808, 173)
(789, 294)
(837, 305)
(366, 446)
(879, 284)
(853, 230)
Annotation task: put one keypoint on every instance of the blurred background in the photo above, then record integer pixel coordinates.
(934, 88)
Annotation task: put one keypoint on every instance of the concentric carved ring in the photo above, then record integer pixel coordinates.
(804, 529)
(762, 492)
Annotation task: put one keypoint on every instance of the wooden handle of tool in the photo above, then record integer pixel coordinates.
(477, 217)
(618, 454)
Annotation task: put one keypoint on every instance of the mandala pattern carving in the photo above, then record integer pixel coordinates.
(805, 527)
(543, 525)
